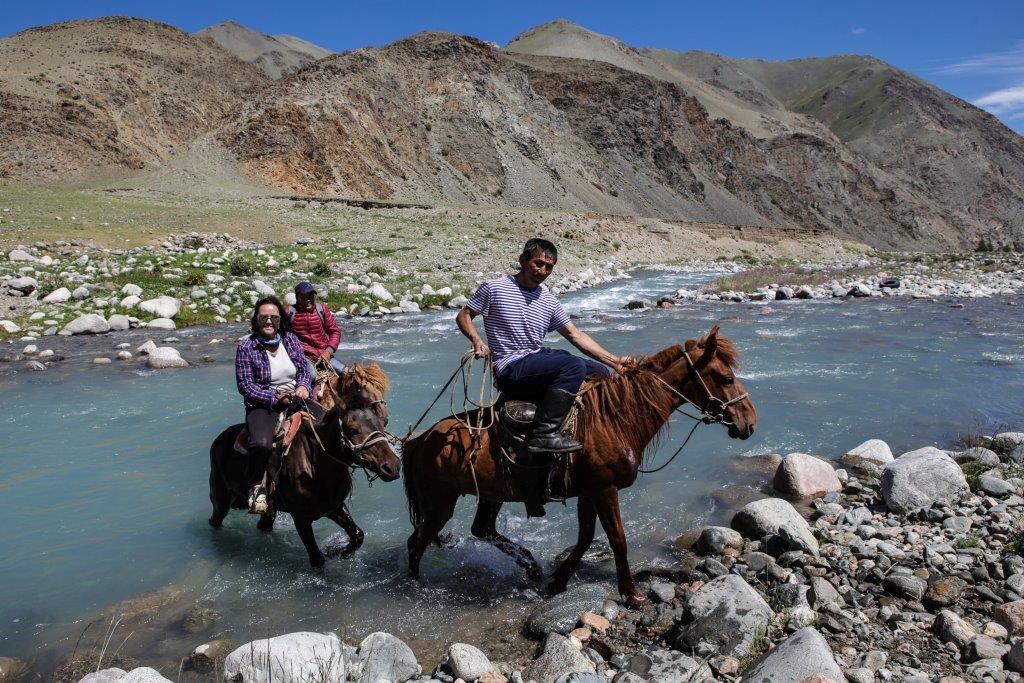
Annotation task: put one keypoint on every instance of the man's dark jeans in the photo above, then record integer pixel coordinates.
(529, 377)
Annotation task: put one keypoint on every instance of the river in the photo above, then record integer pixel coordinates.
(103, 491)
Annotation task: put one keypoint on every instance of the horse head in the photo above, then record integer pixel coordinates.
(362, 417)
(706, 376)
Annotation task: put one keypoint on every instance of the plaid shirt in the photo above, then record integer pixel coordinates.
(252, 371)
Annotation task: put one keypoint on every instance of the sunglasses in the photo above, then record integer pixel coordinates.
(268, 319)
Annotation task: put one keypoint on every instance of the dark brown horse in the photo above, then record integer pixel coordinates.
(619, 418)
(316, 476)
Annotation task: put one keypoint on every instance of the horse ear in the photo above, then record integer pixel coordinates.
(710, 344)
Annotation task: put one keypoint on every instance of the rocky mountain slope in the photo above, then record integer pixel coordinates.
(276, 56)
(562, 118)
(113, 94)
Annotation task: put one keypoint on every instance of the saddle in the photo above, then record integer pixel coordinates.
(550, 472)
(287, 428)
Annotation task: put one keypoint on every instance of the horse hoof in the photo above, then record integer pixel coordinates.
(214, 523)
(636, 600)
(317, 561)
(536, 574)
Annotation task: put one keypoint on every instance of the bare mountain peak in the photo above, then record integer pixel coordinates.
(276, 55)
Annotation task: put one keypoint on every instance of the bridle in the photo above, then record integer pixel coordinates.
(712, 412)
(356, 449)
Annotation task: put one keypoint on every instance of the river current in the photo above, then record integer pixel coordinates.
(103, 476)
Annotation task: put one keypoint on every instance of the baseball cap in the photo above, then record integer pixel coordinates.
(305, 288)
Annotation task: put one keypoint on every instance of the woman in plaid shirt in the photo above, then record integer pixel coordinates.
(272, 375)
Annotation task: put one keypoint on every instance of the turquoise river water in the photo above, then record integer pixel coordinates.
(103, 475)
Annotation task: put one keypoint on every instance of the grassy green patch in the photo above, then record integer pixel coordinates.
(751, 280)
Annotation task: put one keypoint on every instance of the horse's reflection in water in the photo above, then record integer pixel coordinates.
(619, 417)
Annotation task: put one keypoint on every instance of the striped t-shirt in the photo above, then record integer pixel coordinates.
(516, 319)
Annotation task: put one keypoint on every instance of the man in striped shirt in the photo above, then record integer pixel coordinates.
(518, 312)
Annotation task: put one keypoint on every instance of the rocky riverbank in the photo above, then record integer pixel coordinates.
(907, 568)
(919, 276)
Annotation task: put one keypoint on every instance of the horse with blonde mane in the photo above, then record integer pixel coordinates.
(316, 476)
(618, 419)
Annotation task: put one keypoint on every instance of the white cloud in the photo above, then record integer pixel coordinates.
(992, 63)
(1008, 101)
(857, 31)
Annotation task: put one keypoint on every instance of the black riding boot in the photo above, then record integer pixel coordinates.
(551, 412)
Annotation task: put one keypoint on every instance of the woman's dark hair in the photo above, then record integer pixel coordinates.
(286, 321)
(542, 245)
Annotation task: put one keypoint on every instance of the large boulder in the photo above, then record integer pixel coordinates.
(670, 666)
(161, 307)
(20, 255)
(383, 657)
(918, 479)
(559, 657)
(806, 476)
(101, 676)
(799, 657)
(768, 516)
(131, 290)
(467, 662)
(872, 454)
(165, 358)
(118, 322)
(724, 616)
(161, 324)
(291, 658)
(90, 323)
(25, 285)
(560, 613)
(144, 674)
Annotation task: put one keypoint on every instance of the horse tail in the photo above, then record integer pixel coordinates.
(410, 473)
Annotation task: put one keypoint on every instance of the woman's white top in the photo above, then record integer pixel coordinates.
(282, 370)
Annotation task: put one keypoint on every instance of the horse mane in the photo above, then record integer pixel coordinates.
(370, 377)
(632, 406)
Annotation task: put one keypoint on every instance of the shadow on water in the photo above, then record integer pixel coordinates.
(104, 491)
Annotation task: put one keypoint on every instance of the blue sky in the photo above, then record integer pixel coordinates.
(974, 50)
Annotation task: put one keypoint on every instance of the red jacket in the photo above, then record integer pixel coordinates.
(315, 332)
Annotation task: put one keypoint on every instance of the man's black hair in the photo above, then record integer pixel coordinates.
(286, 322)
(542, 245)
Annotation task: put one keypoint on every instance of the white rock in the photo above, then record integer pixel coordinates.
(124, 355)
(292, 658)
(25, 285)
(444, 291)
(872, 452)
(129, 301)
(90, 323)
(383, 657)
(131, 290)
(20, 255)
(148, 347)
(29, 350)
(377, 290)
(468, 662)
(426, 290)
(161, 324)
(144, 674)
(161, 307)
(165, 357)
(57, 296)
(9, 326)
(118, 322)
(800, 656)
(920, 478)
(81, 292)
(262, 288)
(806, 476)
(768, 516)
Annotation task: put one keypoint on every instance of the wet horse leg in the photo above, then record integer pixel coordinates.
(220, 496)
(343, 518)
(304, 525)
(484, 528)
(607, 504)
(266, 522)
(434, 519)
(587, 516)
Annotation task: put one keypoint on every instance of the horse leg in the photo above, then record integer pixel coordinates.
(343, 518)
(607, 503)
(266, 522)
(220, 496)
(587, 516)
(484, 528)
(304, 525)
(434, 519)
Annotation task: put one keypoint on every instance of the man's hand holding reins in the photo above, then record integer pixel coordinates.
(480, 349)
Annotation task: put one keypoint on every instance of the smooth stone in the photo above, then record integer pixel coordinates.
(25, 285)
(994, 486)
(919, 478)
(146, 348)
(982, 456)
(20, 255)
(950, 627)
(57, 296)
(560, 657)
(382, 656)
(131, 290)
(874, 452)
(90, 323)
(906, 587)
(144, 674)
(767, 516)
(208, 654)
(124, 355)
(799, 657)
(291, 658)
(1010, 616)
(118, 322)
(560, 613)
(806, 476)
(467, 662)
(165, 358)
(161, 324)
(1004, 442)
(104, 676)
(161, 306)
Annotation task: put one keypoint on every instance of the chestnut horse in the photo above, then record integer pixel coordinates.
(619, 418)
(316, 476)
